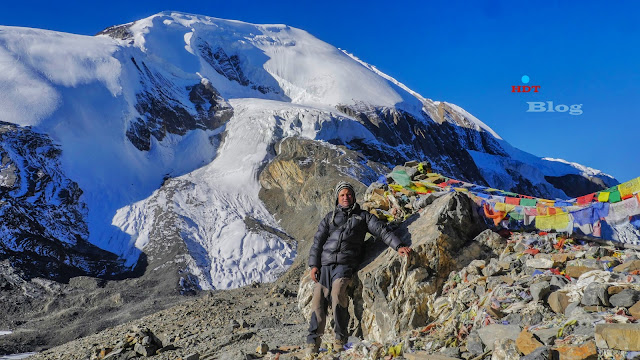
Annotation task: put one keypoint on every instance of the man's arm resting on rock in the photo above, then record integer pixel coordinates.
(380, 230)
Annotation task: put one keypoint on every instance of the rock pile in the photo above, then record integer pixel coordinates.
(544, 294)
(542, 297)
(138, 342)
(510, 296)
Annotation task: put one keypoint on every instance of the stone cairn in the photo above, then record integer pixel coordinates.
(137, 342)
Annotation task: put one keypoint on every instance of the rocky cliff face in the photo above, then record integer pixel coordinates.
(297, 186)
(407, 137)
(161, 111)
(43, 229)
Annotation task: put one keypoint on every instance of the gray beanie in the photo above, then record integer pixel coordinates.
(343, 185)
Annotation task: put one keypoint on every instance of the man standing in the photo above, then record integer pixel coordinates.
(334, 257)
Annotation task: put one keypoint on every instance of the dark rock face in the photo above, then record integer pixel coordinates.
(575, 185)
(230, 67)
(410, 138)
(163, 113)
(43, 230)
(118, 32)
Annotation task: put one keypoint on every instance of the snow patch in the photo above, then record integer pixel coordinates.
(584, 170)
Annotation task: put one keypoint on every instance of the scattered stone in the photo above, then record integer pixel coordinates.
(586, 351)
(595, 294)
(627, 266)
(492, 269)
(268, 322)
(558, 302)
(539, 290)
(492, 240)
(474, 344)
(423, 355)
(145, 350)
(547, 336)
(114, 354)
(491, 333)
(618, 336)
(527, 343)
(539, 263)
(494, 313)
(541, 353)
(571, 307)
(192, 356)
(577, 271)
(505, 349)
(635, 310)
(558, 282)
(625, 298)
(561, 259)
(593, 308)
(452, 352)
(262, 349)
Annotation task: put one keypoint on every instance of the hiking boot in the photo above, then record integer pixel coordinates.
(338, 345)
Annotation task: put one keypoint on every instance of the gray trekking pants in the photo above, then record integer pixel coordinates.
(336, 295)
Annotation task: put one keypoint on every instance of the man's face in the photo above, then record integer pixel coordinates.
(345, 198)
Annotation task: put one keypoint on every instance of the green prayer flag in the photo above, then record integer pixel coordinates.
(528, 202)
(614, 196)
(401, 178)
(516, 216)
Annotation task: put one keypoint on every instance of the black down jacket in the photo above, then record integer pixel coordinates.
(340, 241)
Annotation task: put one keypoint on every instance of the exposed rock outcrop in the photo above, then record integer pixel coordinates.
(163, 109)
(575, 185)
(43, 226)
(391, 293)
(297, 186)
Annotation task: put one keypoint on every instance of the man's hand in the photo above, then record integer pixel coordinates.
(314, 274)
(404, 251)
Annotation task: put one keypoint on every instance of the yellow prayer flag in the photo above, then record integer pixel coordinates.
(509, 207)
(556, 222)
(461, 189)
(603, 196)
(629, 188)
(501, 206)
(395, 187)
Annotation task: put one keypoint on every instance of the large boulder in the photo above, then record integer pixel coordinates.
(390, 293)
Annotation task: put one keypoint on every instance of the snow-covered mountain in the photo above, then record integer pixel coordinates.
(164, 124)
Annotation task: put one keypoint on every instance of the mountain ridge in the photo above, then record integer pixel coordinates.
(168, 96)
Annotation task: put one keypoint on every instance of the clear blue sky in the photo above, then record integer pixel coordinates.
(466, 52)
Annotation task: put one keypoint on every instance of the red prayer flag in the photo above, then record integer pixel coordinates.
(583, 200)
(512, 200)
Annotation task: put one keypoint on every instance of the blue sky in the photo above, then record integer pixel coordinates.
(466, 52)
